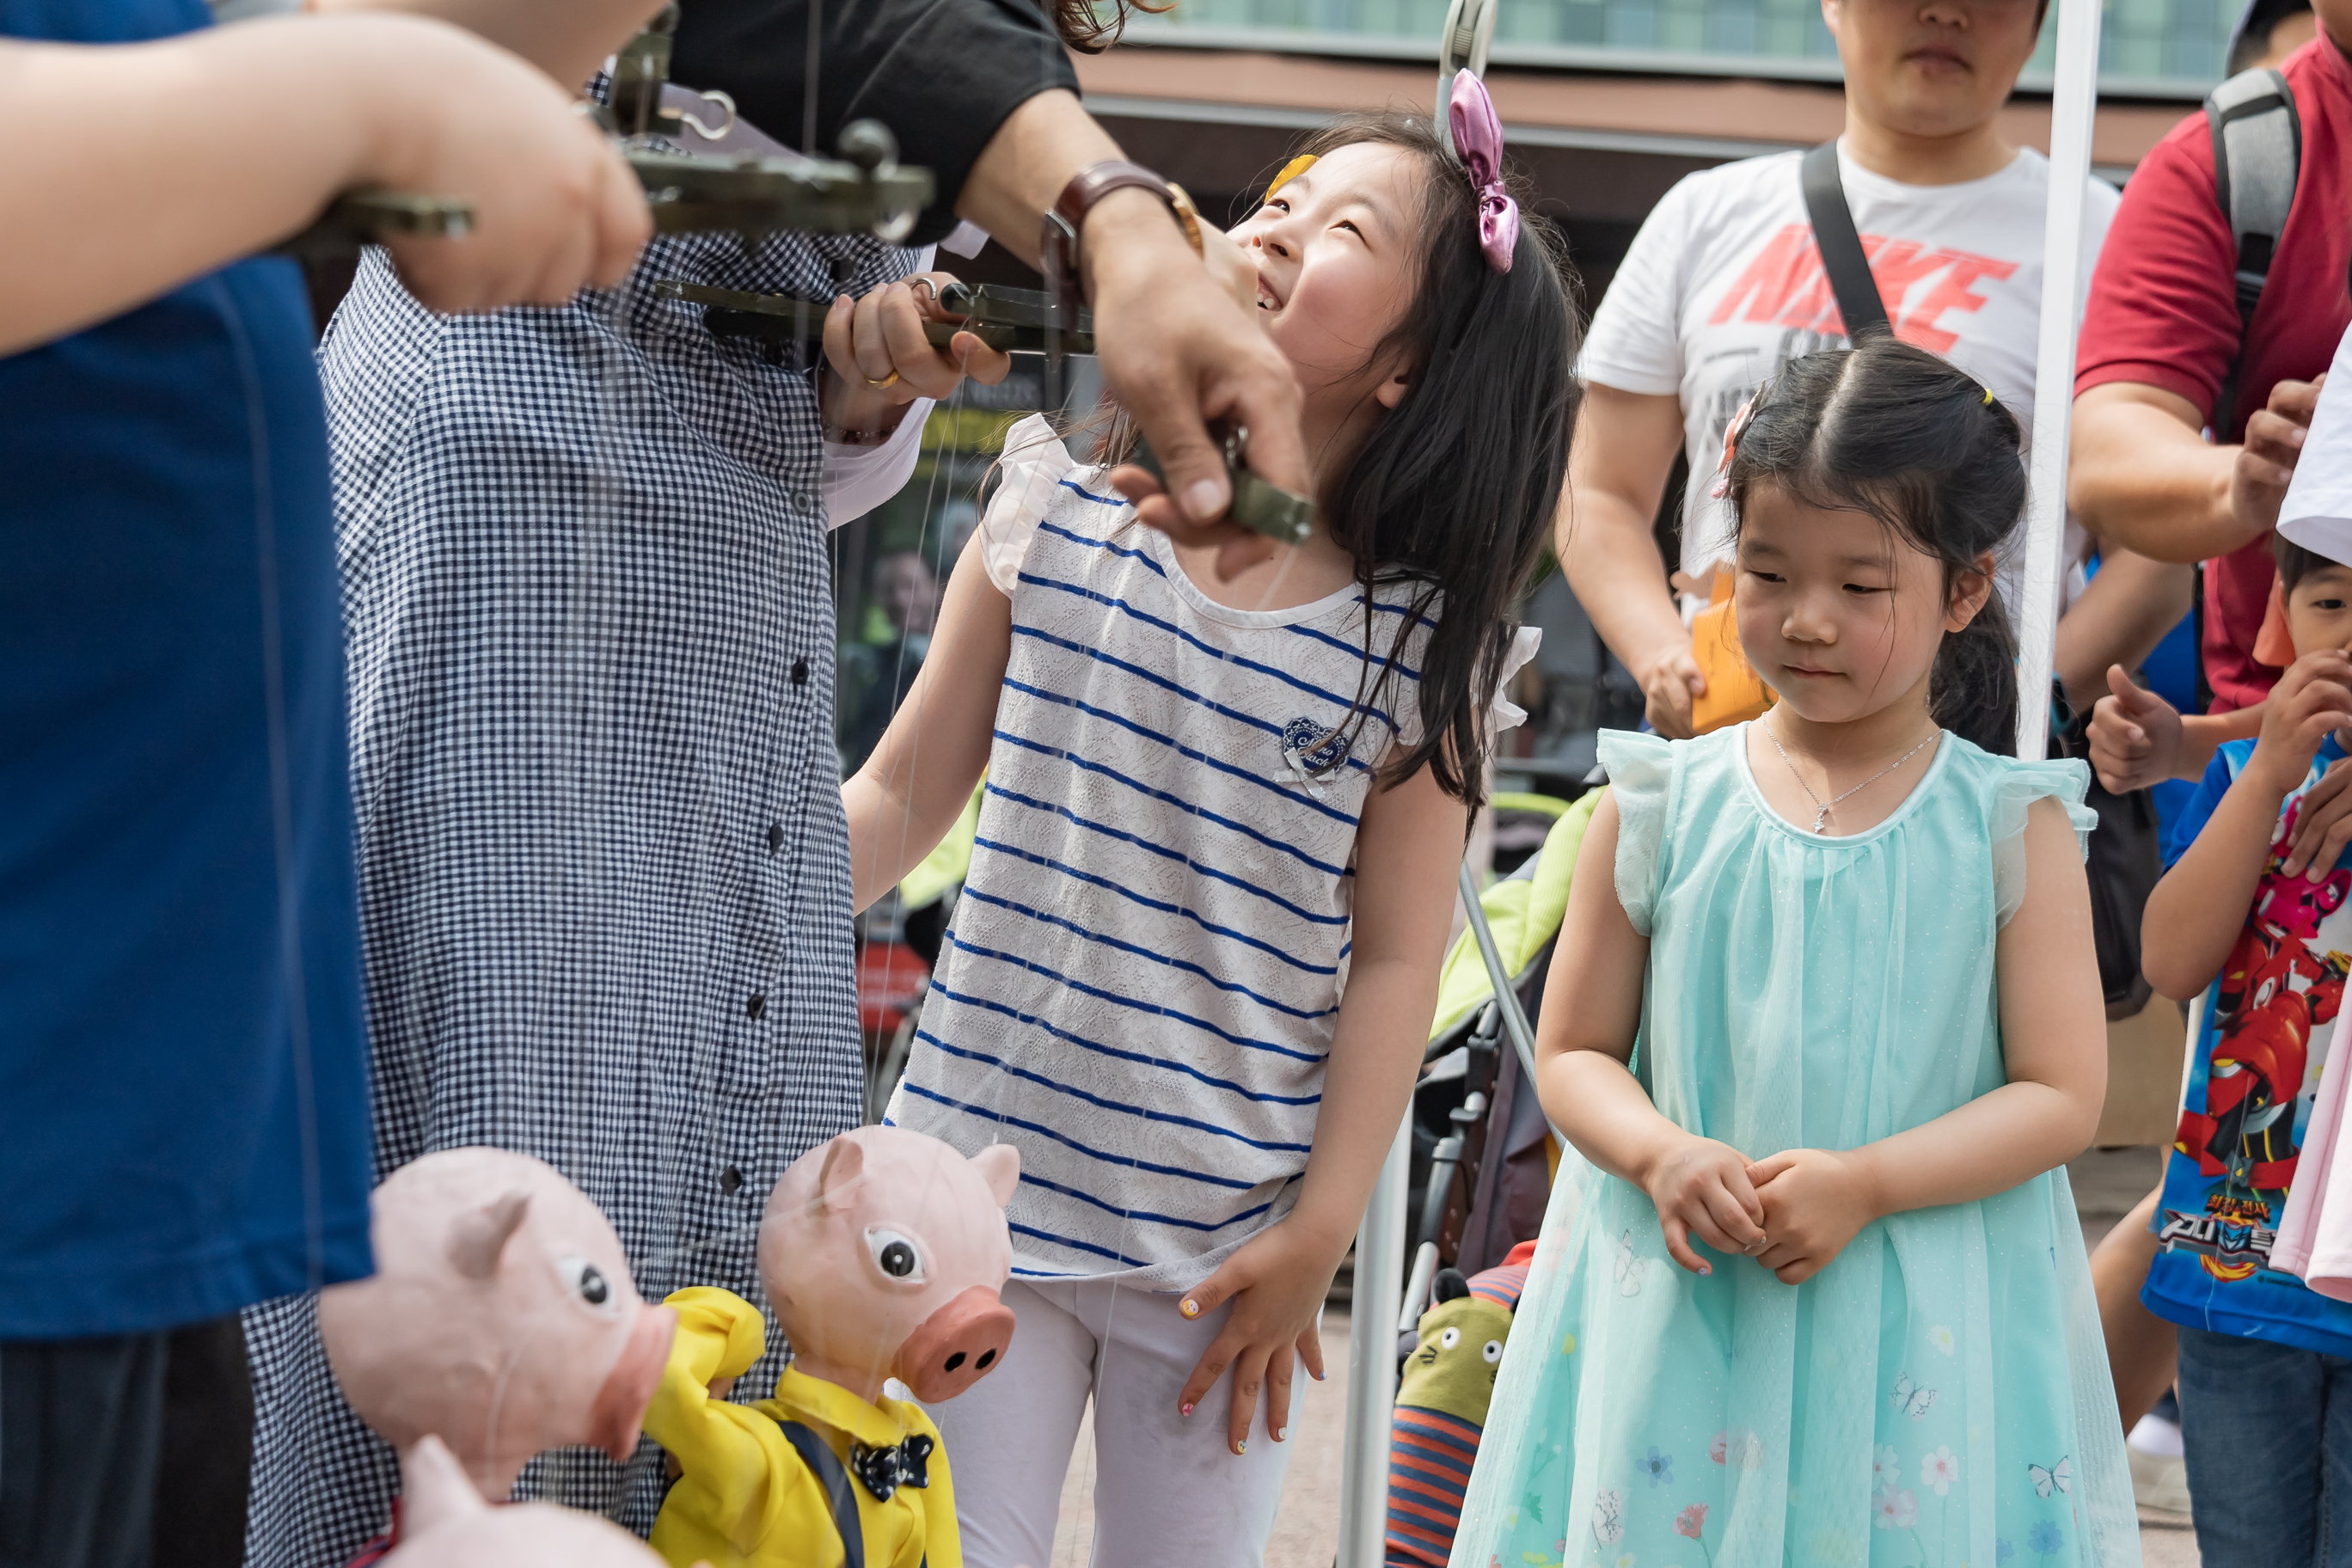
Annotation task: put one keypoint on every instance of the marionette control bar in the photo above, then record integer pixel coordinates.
(1011, 321)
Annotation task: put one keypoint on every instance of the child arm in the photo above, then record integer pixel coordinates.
(1407, 846)
(914, 787)
(2053, 1045)
(1592, 1009)
(2196, 911)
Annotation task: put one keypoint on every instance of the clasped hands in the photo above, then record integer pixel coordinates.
(1792, 1212)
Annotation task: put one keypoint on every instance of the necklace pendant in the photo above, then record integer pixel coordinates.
(1822, 820)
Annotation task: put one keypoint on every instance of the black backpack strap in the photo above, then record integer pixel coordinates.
(2257, 156)
(825, 1465)
(1841, 246)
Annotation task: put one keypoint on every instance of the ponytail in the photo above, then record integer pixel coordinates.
(1972, 689)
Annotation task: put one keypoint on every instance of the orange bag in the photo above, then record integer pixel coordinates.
(1734, 693)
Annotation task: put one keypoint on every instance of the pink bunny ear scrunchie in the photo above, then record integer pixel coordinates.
(1478, 138)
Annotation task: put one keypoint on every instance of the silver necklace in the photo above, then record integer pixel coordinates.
(1821, 816)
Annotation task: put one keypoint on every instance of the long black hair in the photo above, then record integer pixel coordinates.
(1909, 438)
(1452, 489)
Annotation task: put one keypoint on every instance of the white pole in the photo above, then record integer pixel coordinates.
(2072, 106)
(1371, 1363)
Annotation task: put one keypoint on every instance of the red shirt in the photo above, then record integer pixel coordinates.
(2163, 312)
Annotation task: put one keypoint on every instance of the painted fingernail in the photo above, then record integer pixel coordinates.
(1316, 1375)
(1189, 1306)
(1280, 1433)
(1705, 1269)
(1183, 1410)
(1203, 498)
(1240, 1448)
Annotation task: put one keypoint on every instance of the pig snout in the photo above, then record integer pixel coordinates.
(956, 1346)
(620, 1407)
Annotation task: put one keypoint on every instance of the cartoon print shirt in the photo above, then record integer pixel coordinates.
(2264, 1030)
(1724, 283)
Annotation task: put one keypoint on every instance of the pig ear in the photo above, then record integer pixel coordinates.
(999, 1165)
(844, 1167)
(434, 1489)
(476, 1239)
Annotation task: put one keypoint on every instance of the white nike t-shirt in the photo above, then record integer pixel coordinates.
(1724, 283)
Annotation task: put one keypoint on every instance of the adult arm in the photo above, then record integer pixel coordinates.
(1617, 471)
(2120, 617)
(914, 787)
(1407, 846)
(181, 161)
(2142, 474)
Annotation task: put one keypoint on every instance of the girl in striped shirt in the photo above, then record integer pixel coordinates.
(1196, 955)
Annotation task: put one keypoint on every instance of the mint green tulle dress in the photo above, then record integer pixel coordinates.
(1936, 1397)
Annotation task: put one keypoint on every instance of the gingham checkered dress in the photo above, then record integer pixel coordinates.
(605, 876)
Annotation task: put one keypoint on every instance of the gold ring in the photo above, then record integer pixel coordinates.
(889, 381)
(1188, 216)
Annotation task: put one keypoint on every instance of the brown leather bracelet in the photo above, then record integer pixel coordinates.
(1058, 240)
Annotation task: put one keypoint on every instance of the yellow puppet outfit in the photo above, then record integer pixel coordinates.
(782, 1483)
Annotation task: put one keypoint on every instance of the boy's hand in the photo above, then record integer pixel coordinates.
(2323, 824)
(1276, 1282)
(2311, 698)
(1815, 1200)
(2135, 735)
(1701, 1188)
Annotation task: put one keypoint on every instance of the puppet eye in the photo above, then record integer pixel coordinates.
(1449, 1339)
(1493, 1352)
(587, 1281)
(894, 1256)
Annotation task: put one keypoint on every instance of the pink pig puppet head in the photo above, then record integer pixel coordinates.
(501, 1318)
(444, 1523)
(883, 1253)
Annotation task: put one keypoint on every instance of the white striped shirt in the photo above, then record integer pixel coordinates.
(1144, 969)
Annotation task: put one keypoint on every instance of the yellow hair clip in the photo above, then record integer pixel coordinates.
(1290, 170)
(1988, 392)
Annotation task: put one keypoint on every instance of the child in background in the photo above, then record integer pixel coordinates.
(2263, 946)
(1824, 1015)
(1194, 963)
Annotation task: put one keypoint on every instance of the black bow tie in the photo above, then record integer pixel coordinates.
(885, 1470)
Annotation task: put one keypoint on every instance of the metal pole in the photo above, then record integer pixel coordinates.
(1515, 1017)
(1371, 1361)
(2072, 108)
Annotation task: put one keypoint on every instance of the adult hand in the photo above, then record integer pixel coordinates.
(879, 339)
(2311, 698)
(1701, 1188)
(2323, 824)
(1177, 351)
(1815, 1200)
(555, 209)
(2135, 735)
(1670, 679)
(2273, 440)
(1276, 1282)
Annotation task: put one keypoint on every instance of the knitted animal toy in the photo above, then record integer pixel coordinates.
(1441, 1406)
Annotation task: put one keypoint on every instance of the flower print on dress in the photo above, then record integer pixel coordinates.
(1740, 1450)
(2003, 1551)
(1609, 1517)
(1658, 1468)
(1893, 1510)
(1885, 1468)
(1691, 1520)
(1940, 1338)
(1940, 1469)
(2045, 1539)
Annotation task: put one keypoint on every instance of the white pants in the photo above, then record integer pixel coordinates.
(1167, 1488)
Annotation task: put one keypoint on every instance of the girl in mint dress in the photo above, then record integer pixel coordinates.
(1824, 1027)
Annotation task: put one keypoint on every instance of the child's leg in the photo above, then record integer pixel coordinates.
(1008, 1438)
(2140, 1350)
(1167, 1489)
(2253, 1420)
(2335, 1533)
